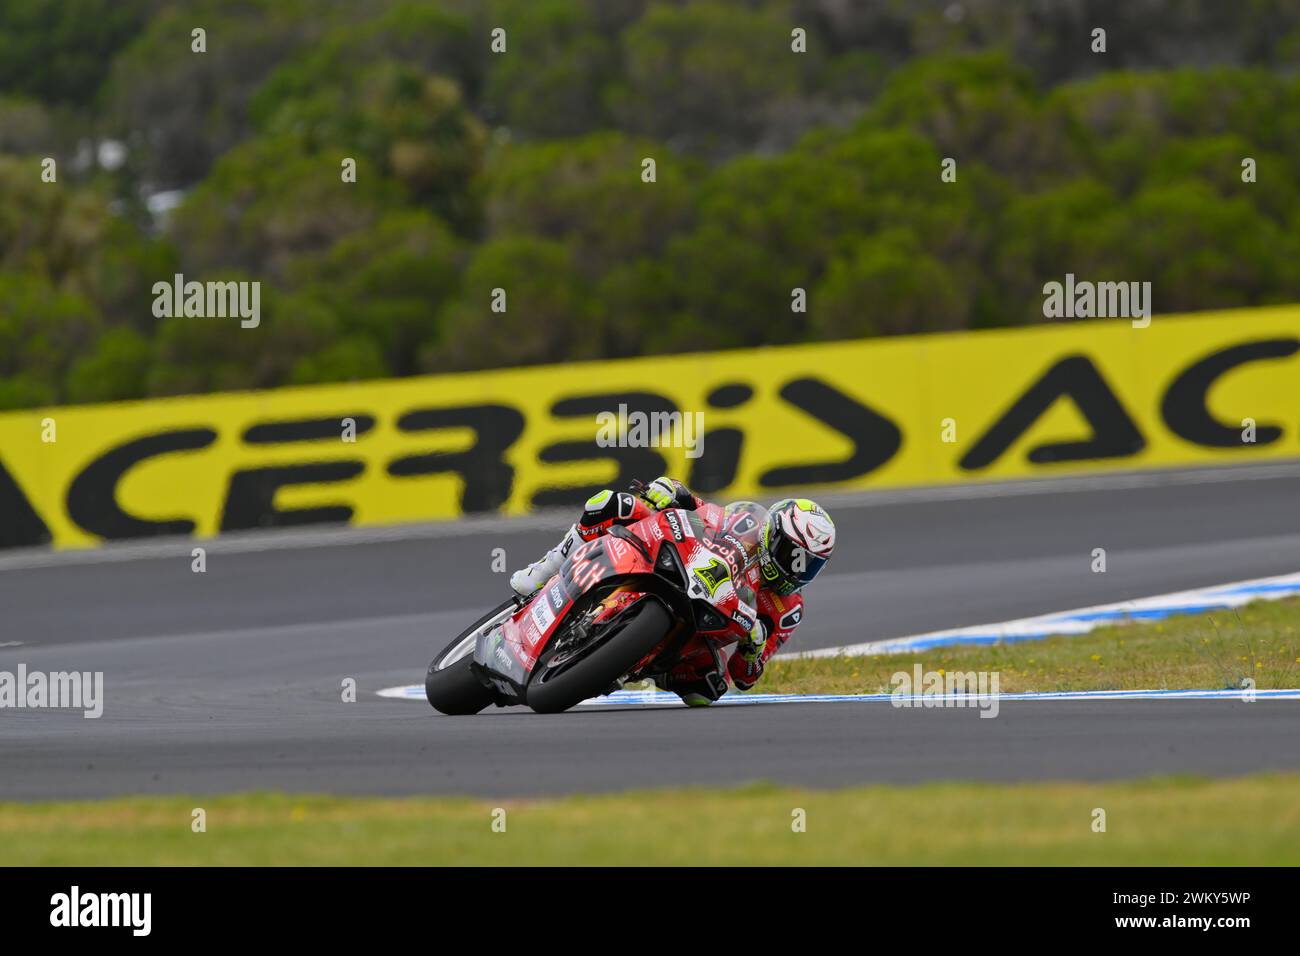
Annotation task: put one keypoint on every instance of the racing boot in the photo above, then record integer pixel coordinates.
(694, 691)
(527, 580)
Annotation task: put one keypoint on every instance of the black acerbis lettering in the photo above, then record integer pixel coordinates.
(715, 469)
(250, 497)
(1114, 434)
(306, 429)
(875, 438)
(632, 462)
(719, 460)
(20, 525)
(487, 478)
(92, 496)
(1185, 408)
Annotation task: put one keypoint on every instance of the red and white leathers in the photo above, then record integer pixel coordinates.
(696, 678)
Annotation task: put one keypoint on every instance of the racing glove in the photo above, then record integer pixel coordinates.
(747, 666)
(661, 493)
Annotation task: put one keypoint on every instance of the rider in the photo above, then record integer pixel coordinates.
(797, 538)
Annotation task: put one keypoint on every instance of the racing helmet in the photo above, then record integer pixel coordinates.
(798, 538)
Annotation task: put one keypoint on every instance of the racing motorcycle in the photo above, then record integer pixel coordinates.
(630, 605)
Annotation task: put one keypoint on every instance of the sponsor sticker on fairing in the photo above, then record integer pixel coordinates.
(556, 597)
(679, 525)
(503, 656)
(543, 616)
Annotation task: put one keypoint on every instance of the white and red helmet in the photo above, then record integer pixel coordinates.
(798, 538)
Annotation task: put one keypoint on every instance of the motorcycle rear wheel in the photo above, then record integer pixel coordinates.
(594, 673)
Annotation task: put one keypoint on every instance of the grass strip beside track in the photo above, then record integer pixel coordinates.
(1251, 820)
(1194, 651)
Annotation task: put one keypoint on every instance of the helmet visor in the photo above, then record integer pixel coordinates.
(796, 565)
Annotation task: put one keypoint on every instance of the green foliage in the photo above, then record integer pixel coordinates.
(982, 105)
(58, 50)
(178, 109)
(387, 286)
(42, 331)
(414, 33)
(270, 200)
(25, 125)
(546, 312)
(44, 229)
(408, 127)
(589, 190)
(113, 370)
(211, 355)
(704, 72)
(552, 85)
(522, 171)
(887, 283)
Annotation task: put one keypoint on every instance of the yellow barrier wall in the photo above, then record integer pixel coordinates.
(1047, 400)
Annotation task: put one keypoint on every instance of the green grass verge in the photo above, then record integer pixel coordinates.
(1216, 650)
(1250, 820)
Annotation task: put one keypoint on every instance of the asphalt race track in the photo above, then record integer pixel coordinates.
(230, 680)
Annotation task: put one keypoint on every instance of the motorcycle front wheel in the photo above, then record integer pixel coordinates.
(553, 689)
(450, 684)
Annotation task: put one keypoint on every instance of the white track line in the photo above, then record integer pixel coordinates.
(652, 698)
(1080, 620)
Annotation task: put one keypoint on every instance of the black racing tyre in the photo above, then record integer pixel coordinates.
(645, 628)
(450, 684)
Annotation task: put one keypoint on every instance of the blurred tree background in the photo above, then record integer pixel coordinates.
(522, 170)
